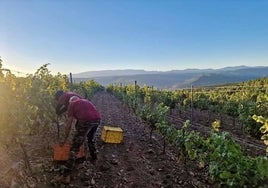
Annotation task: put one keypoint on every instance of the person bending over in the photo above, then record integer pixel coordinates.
(87, 121)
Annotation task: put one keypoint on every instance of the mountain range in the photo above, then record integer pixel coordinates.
(175, 79)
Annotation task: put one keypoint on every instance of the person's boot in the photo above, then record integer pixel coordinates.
(93, 161)
(65, 179)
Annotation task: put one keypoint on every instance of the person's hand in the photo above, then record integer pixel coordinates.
(61, 144)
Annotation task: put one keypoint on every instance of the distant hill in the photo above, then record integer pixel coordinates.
(92, 74)
(176, 78)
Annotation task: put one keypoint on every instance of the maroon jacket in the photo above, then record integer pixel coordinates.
(84, 111)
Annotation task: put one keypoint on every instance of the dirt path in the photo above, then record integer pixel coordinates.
(137, 161)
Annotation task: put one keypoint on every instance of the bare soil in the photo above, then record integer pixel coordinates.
(137, 161)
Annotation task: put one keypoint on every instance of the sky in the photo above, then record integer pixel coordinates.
(89, 35)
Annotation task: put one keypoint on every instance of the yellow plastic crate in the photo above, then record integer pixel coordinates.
(112, 134)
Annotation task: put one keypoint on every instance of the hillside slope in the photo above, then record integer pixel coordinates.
(176, 78)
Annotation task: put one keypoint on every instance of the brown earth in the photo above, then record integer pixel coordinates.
(136, 162)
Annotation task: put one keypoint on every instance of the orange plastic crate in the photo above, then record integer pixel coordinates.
(61, 153)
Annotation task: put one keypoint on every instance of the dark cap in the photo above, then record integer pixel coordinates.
(58, 94)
